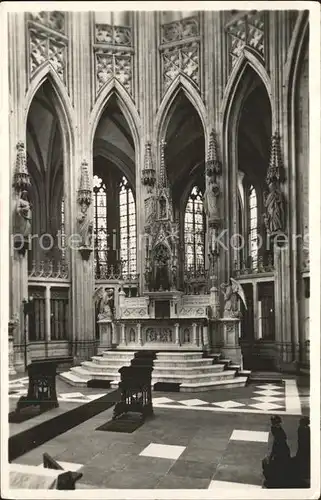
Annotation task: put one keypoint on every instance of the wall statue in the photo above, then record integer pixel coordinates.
(104, 297)
(85, 226)
(23, 216)
(150, 209)
(232, 292)
(211, 200)
(274, 204)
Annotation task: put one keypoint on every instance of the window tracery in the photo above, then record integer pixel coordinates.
(194, 230)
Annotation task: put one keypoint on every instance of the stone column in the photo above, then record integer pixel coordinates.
(146, 91)
(82, 268)
(105, 335)
(194, 337)
(122, 334)
(139, 334)
(48, 314)
(231, 348)
(286, 303)
(256, 318)
(11, 327)
(205, 337)
(177, 339)
(18, 264)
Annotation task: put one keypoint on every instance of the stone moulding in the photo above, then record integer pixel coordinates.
(47, 43)
(246, 29)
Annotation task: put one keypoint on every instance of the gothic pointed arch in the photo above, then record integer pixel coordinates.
(247, 59)
(180, 84)
(126, 105)
(63, 102)
(49, 138)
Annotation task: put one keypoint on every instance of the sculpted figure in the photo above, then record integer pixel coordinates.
(104, 298)
(85, 226)
(211, 196)
(150, 209)
(23, 216)
(274, 203)
(232, 292)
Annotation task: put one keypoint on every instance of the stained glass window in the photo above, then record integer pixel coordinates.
(194, 231)
(100, 229)
(253, 239)
(127, 215)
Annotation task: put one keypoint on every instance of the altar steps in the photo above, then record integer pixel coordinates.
(192, 371)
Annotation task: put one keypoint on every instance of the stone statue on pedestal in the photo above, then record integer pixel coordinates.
(105, 297)
(85, 226)
(274, 204)
(232, 292)
(23, 216)
(211, 205)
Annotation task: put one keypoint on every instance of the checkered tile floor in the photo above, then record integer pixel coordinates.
(265, 398)
(19, 387)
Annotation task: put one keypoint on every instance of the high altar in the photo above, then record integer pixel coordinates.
(164, 318)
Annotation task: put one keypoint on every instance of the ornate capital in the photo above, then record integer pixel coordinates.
(21, 177)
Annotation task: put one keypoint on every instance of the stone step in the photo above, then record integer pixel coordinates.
(244, 373)
(219, 384)
(89, 375)
(202, 378)
(91, 367)
(233, 366)
(191, 370)
(183, 363)
(178, 356)
(112, 363)
(118, 354)
(73, 379)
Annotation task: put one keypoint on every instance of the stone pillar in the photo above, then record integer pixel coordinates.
(105, 335)
(122, 334)
(194, 337)
(139, 334)
(48, 314)
(286, 303)
(11, 327)
(82, 268)
(231, 348)
(177, 339)
(256, 318)
(18, 266)
(214, 302)
(205, 337)
(146, 90)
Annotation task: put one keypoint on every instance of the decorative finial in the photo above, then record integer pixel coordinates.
(148, 173)
(163, 173)
(276, 165)
(21, 177)
(84, 191)
(213, 165)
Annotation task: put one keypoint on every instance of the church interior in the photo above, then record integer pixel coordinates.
(159, 217)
